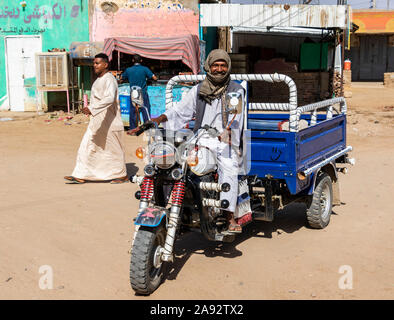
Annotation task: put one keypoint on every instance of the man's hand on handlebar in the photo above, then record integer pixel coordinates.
(133, 132)
(147, 125)
(160, 119)
(142, 128)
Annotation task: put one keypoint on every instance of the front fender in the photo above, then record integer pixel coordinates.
(150, 217)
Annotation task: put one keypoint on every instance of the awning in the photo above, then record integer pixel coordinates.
(185, 48)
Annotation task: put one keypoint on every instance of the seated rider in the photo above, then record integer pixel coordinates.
(206, 101)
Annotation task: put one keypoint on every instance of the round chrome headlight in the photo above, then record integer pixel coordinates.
(163, 154)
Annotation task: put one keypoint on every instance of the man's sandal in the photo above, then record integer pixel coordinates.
(74, 180)
(234, 228)
(120, 180)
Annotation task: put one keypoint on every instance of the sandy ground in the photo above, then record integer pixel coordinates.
(83, 232)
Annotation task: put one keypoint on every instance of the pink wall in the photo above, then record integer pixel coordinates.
(143, 23)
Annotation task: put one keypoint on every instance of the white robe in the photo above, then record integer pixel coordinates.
(228, 160)
(101, 153)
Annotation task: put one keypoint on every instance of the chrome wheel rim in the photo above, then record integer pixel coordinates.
(325, 201)
(157, 257)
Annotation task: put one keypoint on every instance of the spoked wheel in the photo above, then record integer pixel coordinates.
(320, 207)
(146, 268)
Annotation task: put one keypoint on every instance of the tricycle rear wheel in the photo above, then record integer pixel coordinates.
(320, 205)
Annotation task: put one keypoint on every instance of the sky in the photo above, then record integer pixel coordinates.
(355, 4)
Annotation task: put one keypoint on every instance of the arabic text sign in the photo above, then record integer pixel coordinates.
(44, 14)
(21, 30)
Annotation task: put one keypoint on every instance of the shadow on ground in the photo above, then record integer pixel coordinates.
(131, 169)
(289, 220)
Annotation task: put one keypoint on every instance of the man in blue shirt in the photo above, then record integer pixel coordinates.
(137, 75)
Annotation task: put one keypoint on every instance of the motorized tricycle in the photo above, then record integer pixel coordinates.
(292, 155)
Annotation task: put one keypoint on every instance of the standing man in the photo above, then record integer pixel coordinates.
(101, 154)
(137, 75)
(206, 101)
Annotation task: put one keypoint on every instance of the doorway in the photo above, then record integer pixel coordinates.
(373, 57)
(21, 72)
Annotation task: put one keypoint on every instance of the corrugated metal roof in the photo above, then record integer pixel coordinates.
(281, 30)
(259, 15)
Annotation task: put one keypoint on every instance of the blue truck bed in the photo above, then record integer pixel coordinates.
(283, 154)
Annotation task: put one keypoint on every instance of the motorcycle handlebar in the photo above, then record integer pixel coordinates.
(142, 128)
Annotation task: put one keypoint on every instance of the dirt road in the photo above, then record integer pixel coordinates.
(83, 232)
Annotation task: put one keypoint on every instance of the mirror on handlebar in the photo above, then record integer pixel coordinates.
(212, 132)
(136, 93)
(233, 103)
(183, 135)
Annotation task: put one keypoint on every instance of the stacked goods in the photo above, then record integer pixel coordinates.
(311, 87)
(389, 79)
(347, 82)
(239, 62)
(276, 65)
(336, 84)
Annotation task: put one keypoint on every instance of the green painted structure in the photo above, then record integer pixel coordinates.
(58, 22)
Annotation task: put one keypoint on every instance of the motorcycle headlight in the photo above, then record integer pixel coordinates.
(163, 155)
(183, 152)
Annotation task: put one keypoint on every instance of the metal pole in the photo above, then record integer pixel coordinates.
(72, 84)
(342, 59)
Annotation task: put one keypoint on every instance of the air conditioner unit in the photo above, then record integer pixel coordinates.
(52, 71)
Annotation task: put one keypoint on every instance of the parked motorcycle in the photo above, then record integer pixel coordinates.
(179, 191)
(283, 162)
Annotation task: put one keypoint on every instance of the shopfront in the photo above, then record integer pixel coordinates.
(166, 57)
(301, 41)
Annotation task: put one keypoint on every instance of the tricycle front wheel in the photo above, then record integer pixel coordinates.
(146, 269)
(320, 205)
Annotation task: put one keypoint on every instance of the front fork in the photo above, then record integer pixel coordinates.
(147, 187)
(177, 195)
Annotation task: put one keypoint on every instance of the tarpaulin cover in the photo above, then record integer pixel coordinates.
(185, 48)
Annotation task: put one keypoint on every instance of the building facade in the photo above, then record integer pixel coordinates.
(372, 45)
(28, 27)
(143, 18)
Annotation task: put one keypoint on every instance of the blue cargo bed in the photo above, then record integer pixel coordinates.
(283, 154)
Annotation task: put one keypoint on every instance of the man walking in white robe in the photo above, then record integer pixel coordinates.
(101, 154)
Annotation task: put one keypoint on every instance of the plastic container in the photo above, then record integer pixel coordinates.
(124, 102)
(347, 64)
